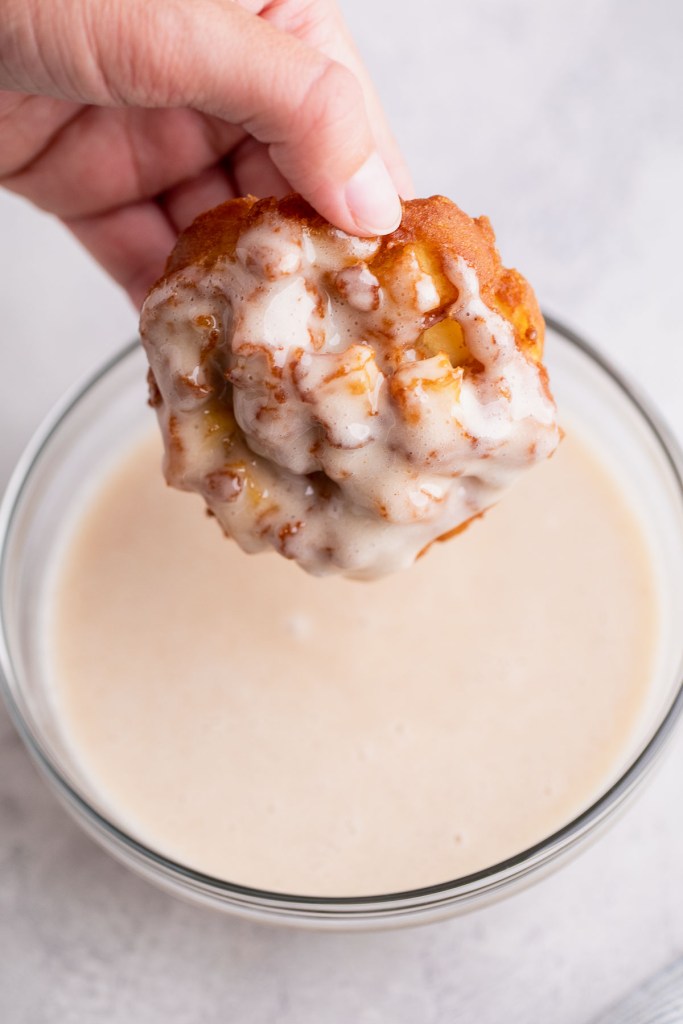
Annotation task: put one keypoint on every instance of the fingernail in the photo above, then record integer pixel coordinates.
(372, 199)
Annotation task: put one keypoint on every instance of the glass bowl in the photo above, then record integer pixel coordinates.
(87, 432)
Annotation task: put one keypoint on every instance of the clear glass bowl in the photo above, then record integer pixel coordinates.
(108, 412)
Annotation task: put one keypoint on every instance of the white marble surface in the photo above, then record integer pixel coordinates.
(562, 120)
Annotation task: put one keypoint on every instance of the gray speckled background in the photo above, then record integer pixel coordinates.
(563, 121)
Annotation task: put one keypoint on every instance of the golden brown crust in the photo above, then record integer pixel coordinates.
(211, 235)
(435, 229)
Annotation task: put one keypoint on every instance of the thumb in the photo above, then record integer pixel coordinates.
(308, 109)
(325, 148)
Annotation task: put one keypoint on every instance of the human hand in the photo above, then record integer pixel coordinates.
(127, 118)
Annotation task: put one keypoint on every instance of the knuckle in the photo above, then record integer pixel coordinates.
(333, 101)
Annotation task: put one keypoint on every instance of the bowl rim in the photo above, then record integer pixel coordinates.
(465, 887)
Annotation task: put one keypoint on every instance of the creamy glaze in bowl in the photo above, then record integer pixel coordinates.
(105, 415)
